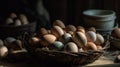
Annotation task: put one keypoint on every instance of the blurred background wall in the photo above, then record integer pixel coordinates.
(70, 11)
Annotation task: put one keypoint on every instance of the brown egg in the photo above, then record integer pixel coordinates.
(116, 33)
(23, 19)
(34, 40)
(57, 31)
(44, 43)
(92, 29)
(70, 28)
(71, 47)
(16, 45)
(3, 51)
(42, 31)
(80, 39)
(99, 47)
(91, 36)
(100, 39)
(49, 38)
(13, 15)
(91, 46)
(59, 23)
(81, 29)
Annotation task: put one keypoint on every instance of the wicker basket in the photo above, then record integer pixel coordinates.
(63, 57)
(7, 30)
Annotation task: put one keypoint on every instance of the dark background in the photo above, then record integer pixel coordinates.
(69, 11)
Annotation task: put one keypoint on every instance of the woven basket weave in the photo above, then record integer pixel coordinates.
(80, 58)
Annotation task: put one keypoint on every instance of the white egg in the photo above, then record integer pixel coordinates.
(3, 51)
(71, 47)
(9, 21)
(91, 36)
(17, 22)
(99, 40)
(23, 19)
(1, 43)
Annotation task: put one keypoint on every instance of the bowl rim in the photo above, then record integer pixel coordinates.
(92, 12)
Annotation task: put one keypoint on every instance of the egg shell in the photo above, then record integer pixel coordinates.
(99, 47)
(17, 22)
(116, 33)
(70, 28)
(9, 40)
(99, 40)
(49, 38)
(65, 38)
(16, 45)
(92, 29)
(59, 23)
(81, 50)
(1, 43)
(57, 45)
(57, 31)
(80, 39)
(44, 43)
(91, 36)
(91, 46)
(3, 51)
(9, 21)
(71, 47)
(70, 32)
(23, 19)
(42, 31)
(13, 15)
(81, 29)
(34, 40)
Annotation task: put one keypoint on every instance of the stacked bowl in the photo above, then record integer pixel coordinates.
(103, 20)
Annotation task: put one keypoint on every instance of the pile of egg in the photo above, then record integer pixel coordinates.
(16, 19)
(10, 45)
(67, 38)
